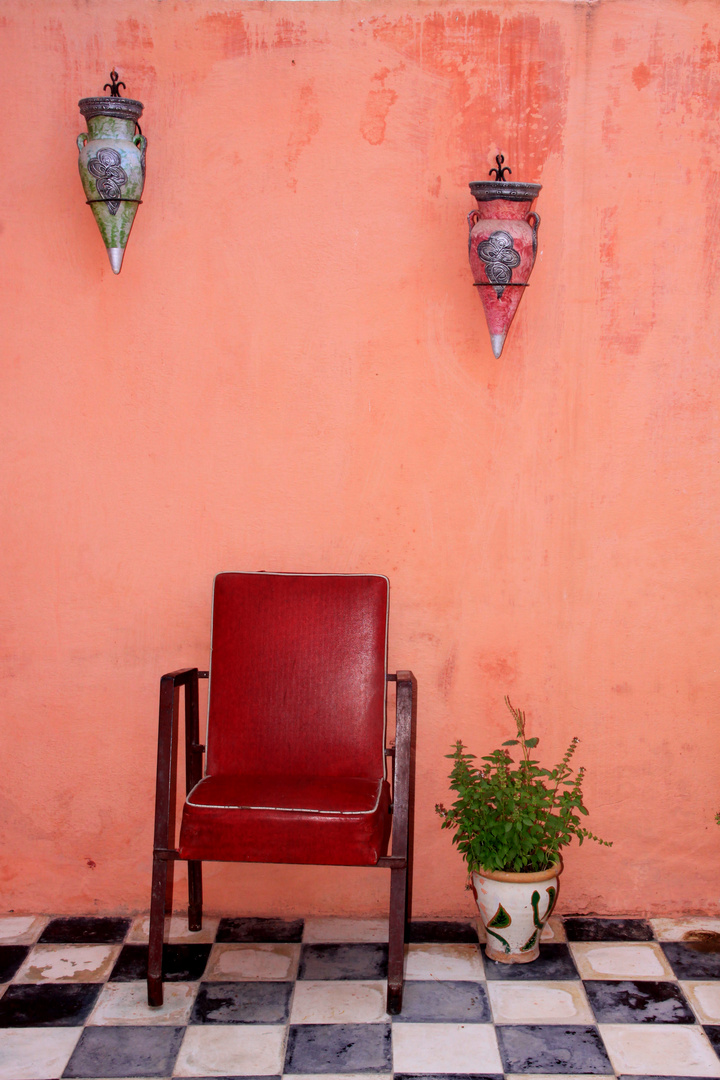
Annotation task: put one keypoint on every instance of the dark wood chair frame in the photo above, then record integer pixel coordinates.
(399, 862)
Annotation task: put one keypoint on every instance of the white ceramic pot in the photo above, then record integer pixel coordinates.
(514, 909)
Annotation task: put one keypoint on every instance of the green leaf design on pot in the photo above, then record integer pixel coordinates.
(552, 893)
(530, 943)
(497, 937)
(535, 900)
(500, 919)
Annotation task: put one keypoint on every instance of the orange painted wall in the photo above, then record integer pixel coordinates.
(292, 372)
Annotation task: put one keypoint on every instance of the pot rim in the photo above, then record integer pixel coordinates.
(512, 190)
(521, 876)
(120, 108)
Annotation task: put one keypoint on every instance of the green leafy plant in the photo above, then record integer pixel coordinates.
(514, 817)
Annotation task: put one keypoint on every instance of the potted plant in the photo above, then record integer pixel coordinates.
(511, 821)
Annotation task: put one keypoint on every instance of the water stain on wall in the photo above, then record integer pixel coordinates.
(227, 31)
(446, 674)
(641, 76)
(305, 126)
(508, 78)
(289, 35)
(380, 100)
(132, 36)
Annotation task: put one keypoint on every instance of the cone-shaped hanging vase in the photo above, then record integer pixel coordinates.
(503, 246)
(112, 168)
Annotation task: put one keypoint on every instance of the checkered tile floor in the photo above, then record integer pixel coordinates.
(303, 999)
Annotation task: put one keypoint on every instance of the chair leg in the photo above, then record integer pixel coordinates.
(396, 939)
(157, 931)
(195, 897)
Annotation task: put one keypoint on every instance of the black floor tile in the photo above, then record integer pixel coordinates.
(50, 1005)
(242, 1003)
(255, 930)
(338, 1048)
(442, 932)
(691, 963)
(592, 929)
(444, 1002)
(629, 1002)
(11, 957)
(448, 1076)
(125, 1051)
(85, 931)
(713, 1033)
(552, 1048)
(363, 961)
(181, 963)
(554, 962)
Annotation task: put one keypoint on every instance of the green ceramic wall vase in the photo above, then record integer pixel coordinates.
(112, 165)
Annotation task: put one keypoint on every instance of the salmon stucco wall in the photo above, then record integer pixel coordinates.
(292, 372)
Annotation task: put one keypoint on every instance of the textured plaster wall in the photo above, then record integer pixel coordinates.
(293, 373)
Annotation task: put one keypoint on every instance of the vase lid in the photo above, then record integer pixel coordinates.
(118, 107)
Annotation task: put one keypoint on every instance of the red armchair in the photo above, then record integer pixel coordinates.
(295, 765)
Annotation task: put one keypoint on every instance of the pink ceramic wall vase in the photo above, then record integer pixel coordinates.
(112, 165)
(503, 246)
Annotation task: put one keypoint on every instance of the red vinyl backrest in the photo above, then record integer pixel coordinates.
(297, 675)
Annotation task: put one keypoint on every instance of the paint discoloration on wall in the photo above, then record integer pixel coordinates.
(507, 77)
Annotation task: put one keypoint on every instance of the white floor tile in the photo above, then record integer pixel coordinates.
(238, 962)
(539, 1002)
(338, 1002)
(126, 1003)
(705, 1000)
(222, 1050)
(21, 929)
(620, 960)
(659, 1050)
(332, 930)
(176, 931)
(68, 963)
(676, 929)
(36, 1053)
(444, 962)
(445, 1048)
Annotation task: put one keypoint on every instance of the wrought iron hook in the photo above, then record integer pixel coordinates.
(114, 86)
(500, 171)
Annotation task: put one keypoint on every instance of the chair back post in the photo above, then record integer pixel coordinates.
(402, 840)
(165, 801)
(404, 761)
(193, 748)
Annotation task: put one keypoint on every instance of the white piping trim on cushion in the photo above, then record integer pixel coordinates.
(287, 809)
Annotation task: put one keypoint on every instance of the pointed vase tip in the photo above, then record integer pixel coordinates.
(116, 257)
(496, 340)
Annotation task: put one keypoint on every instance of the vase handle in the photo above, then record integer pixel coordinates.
(473, 218)
(140, 141)
(534, 226)
(82, 140)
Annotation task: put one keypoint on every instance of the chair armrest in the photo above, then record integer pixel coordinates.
(404, 765)
(167, 748)
(181, 677)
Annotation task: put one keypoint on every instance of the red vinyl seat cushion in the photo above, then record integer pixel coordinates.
(342, 821)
